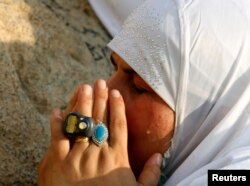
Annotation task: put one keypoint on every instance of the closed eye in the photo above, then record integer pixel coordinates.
(124, 69)
(140, 85)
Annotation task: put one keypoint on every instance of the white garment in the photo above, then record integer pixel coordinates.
(196, 55)
(113, 13)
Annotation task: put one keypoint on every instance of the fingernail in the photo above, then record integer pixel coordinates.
(101, 84)
(87, 90)
(158, 160)
(115, 93)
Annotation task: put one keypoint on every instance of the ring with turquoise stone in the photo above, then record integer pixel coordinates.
(100, 134)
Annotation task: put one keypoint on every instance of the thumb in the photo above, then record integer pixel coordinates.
(151, 172)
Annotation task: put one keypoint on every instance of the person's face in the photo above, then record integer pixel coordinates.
(150, 120)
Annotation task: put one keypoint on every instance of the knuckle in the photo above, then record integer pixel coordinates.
(155, 171)
(101, 94)
(86, 100)
(118, 103)
(119, 122)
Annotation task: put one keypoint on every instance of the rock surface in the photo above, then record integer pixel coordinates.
(47, 48)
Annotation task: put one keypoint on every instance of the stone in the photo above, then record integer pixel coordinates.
(47, 48)
(100, 134)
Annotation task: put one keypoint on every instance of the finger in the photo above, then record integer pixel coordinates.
(72, 102)
(60, 144)
(83, 106)
(118, 123)
(84, 101)
(100, 100)
(150, 174)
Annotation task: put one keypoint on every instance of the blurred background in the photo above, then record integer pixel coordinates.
(47, 48)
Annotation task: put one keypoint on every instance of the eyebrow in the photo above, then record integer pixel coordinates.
(126, 70)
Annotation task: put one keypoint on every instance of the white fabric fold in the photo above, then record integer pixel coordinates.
(195, 54)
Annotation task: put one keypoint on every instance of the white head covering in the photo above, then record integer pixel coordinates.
(195, 54)
(113, 13)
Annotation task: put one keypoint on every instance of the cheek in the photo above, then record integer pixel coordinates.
(161, 122)
(137, 116)
(149, 121)
(150, 129)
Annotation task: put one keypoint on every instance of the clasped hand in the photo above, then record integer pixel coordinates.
(68, 163)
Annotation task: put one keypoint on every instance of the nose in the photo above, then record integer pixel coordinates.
(113, 81)
(118, 81)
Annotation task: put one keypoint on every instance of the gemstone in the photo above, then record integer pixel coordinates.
(100, 134)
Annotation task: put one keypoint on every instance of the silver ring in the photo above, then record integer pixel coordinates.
(100, 134)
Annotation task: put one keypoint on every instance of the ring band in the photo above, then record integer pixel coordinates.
(100, 134)
(76, 125)
(82, 139)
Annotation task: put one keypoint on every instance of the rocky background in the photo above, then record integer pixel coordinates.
(47, 48)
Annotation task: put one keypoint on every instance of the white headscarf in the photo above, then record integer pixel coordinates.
(195, 54)
(112, 13)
